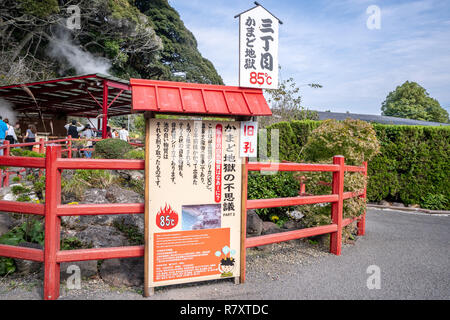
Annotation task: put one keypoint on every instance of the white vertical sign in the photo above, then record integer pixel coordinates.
(258, 49)
(248, 145)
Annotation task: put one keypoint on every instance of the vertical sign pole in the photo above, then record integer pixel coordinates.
(147, 291)
(337, 208)
(243, 218)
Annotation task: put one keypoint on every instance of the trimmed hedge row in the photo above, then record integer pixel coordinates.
(413, 166)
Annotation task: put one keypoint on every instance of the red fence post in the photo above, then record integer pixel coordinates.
(362, 221)
(69, 146)
(52, 223)
(6, 152)
(337, 208)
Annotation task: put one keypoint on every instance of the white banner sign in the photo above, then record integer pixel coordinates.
(258, 49)
(248, 146)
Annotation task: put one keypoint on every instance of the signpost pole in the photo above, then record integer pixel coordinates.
(241, 279)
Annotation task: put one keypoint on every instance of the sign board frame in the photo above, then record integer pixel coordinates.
(150, 238)
(258, 48)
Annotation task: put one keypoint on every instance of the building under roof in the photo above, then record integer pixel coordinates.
(377, 119)
(48, 103)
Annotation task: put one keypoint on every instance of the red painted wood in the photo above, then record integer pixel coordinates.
(22, 207)
(362, 222)
(293, 201)
(337, 208)
(105, 164)
(105, 109)
(22, 162)
(97, 209)
(348, 195)
(21, 253)
(354, 169)
(289, 235)
(258, 166)
(100, 253)
(52, 223)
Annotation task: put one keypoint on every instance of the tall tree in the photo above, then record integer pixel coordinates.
(180, 57)
(412, 101)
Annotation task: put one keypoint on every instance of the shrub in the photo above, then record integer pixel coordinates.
(84, 179)
(26, 153)
(435, 202)
(282, 184)
(135, 154)
(411, 159)
(111, 149)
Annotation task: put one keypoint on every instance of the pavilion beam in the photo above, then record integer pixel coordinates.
(105, 109)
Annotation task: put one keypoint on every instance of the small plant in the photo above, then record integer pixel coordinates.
(434, 202)
(111, 149)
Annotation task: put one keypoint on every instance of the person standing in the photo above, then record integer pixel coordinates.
(73, 130)
(3, 133)
(30, 136)
(10, 134)
(87, 133)
(123, 134)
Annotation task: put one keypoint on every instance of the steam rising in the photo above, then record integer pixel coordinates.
(7, 112)
(70, 55)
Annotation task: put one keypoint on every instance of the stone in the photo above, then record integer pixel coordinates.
(123, 272)
(295, 214)
(6, 222)
(254, 223)
(384, 203)
(270, 227)
(116, 194)
(24, 267)
(88, 269)
(398, 204)
(99, 236)
(415, 206)
(292, 225)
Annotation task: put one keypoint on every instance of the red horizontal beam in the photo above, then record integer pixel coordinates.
(347, 221)
(354, 169)
(293, 201)
(348, 195)
(258, 166)
(100, 209)
(21, 253)
(99, 253)
(22, 207)
(22, 162)
(102, 164)
(289, 235)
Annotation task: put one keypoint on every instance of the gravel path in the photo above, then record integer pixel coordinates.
(411, 250)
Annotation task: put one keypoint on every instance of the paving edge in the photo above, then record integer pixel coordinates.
(378, 206)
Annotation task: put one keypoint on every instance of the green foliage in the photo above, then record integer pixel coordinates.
(435, 202)
(111, 149)
(180, 58)
(135, 154)
(413, 160)
(7, 266)
(40, 8)
(30, 231)
(84, 179)
(412, 101)
(72, 243)
(354, 139)
(131, 232)
(26, 153)
(279, 185)
(285, 102)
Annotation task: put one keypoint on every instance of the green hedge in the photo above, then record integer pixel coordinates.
(413, 166)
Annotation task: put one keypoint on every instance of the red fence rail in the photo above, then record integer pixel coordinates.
(53, 210)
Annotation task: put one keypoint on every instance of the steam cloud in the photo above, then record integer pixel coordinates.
(70, 55)
(7, 112)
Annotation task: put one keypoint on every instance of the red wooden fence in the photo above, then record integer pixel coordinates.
(53, 210)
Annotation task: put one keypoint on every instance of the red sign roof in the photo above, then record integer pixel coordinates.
(194, 98)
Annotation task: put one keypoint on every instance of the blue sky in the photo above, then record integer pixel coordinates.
(328, 42)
